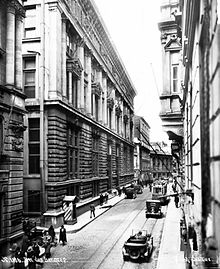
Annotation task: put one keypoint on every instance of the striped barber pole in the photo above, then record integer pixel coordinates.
(68, 209)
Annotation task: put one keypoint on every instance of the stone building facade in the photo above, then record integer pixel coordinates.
(142, 165)
(171, 96)
(199, 58)
(161, 161)
(200, 21)
(79, 140)
(12, 111)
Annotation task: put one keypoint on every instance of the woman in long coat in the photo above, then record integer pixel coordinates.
(63, 235)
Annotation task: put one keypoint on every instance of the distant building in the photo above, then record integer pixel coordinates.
(79, 140)
(171, 114)
(161, 161)
(12, 110)
(142, 166)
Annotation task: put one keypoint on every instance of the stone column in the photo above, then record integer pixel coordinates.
(89, 89)
(63, 76)
(81, 88)
(10, 46)
(113, 111)
(104, 108)
(18, 52)
(93, 104)
(122, 121)
(70, 98)
(100, 98)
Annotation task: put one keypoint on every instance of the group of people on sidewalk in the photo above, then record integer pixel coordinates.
(34, 248)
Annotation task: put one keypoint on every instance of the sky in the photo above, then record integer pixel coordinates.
(133, 28)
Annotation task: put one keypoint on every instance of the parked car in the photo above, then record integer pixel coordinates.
(138, 188)
(138, 246)
(130, 193)
(153, 208)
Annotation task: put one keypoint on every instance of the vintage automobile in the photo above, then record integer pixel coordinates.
(159, 192)
(138, 188)
(153, 208)
(138, 246)
(130, 193)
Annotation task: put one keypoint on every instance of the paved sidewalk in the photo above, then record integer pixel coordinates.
(170, 256)
(85, 219)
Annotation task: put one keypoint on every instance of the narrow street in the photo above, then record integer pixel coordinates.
(99, 245)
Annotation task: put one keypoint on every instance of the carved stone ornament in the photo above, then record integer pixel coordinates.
(125, 118)
(96, 133)
(118, 110)
(17, 128)
(110, 103)
(18, 144)
(74, 65)
(96, 89)
(15, 7)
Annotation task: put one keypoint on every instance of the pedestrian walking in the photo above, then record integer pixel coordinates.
(51, 233)
(63, 235)
(101, 198)
(25, 242)
(106, 197)
(31, 258)
(19, 259)
(47, 244)
(176, 200)
(92, 210)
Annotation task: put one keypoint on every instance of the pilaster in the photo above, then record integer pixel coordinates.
(113, 111)
(89, 88)
(10, 46)
(18, 52)
(81, 88)
(63, 42)
(104, 108)
(100, 98)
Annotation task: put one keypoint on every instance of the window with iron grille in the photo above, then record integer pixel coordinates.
(1, 135)
(73, 151)
(29, 76)
(34, 146)
(95, 155)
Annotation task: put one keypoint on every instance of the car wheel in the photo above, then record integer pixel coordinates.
(125, 258)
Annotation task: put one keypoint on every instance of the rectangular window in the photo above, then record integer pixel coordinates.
(95, 155)
(34, 201)
(29, 79)
(96, 108)
(30, 22)
(75, 91)
(1, 135)
(109, 118)
(175, 78)
(117, 124)
(34, 146)
(125, 157)
(73, 151)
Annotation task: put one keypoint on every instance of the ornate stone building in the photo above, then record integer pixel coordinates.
(79, 140)
(161, 161)
(142, 164)
(200, 105)
(12, 110)
(171, 114)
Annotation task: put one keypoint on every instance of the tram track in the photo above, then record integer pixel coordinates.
(122, 234)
